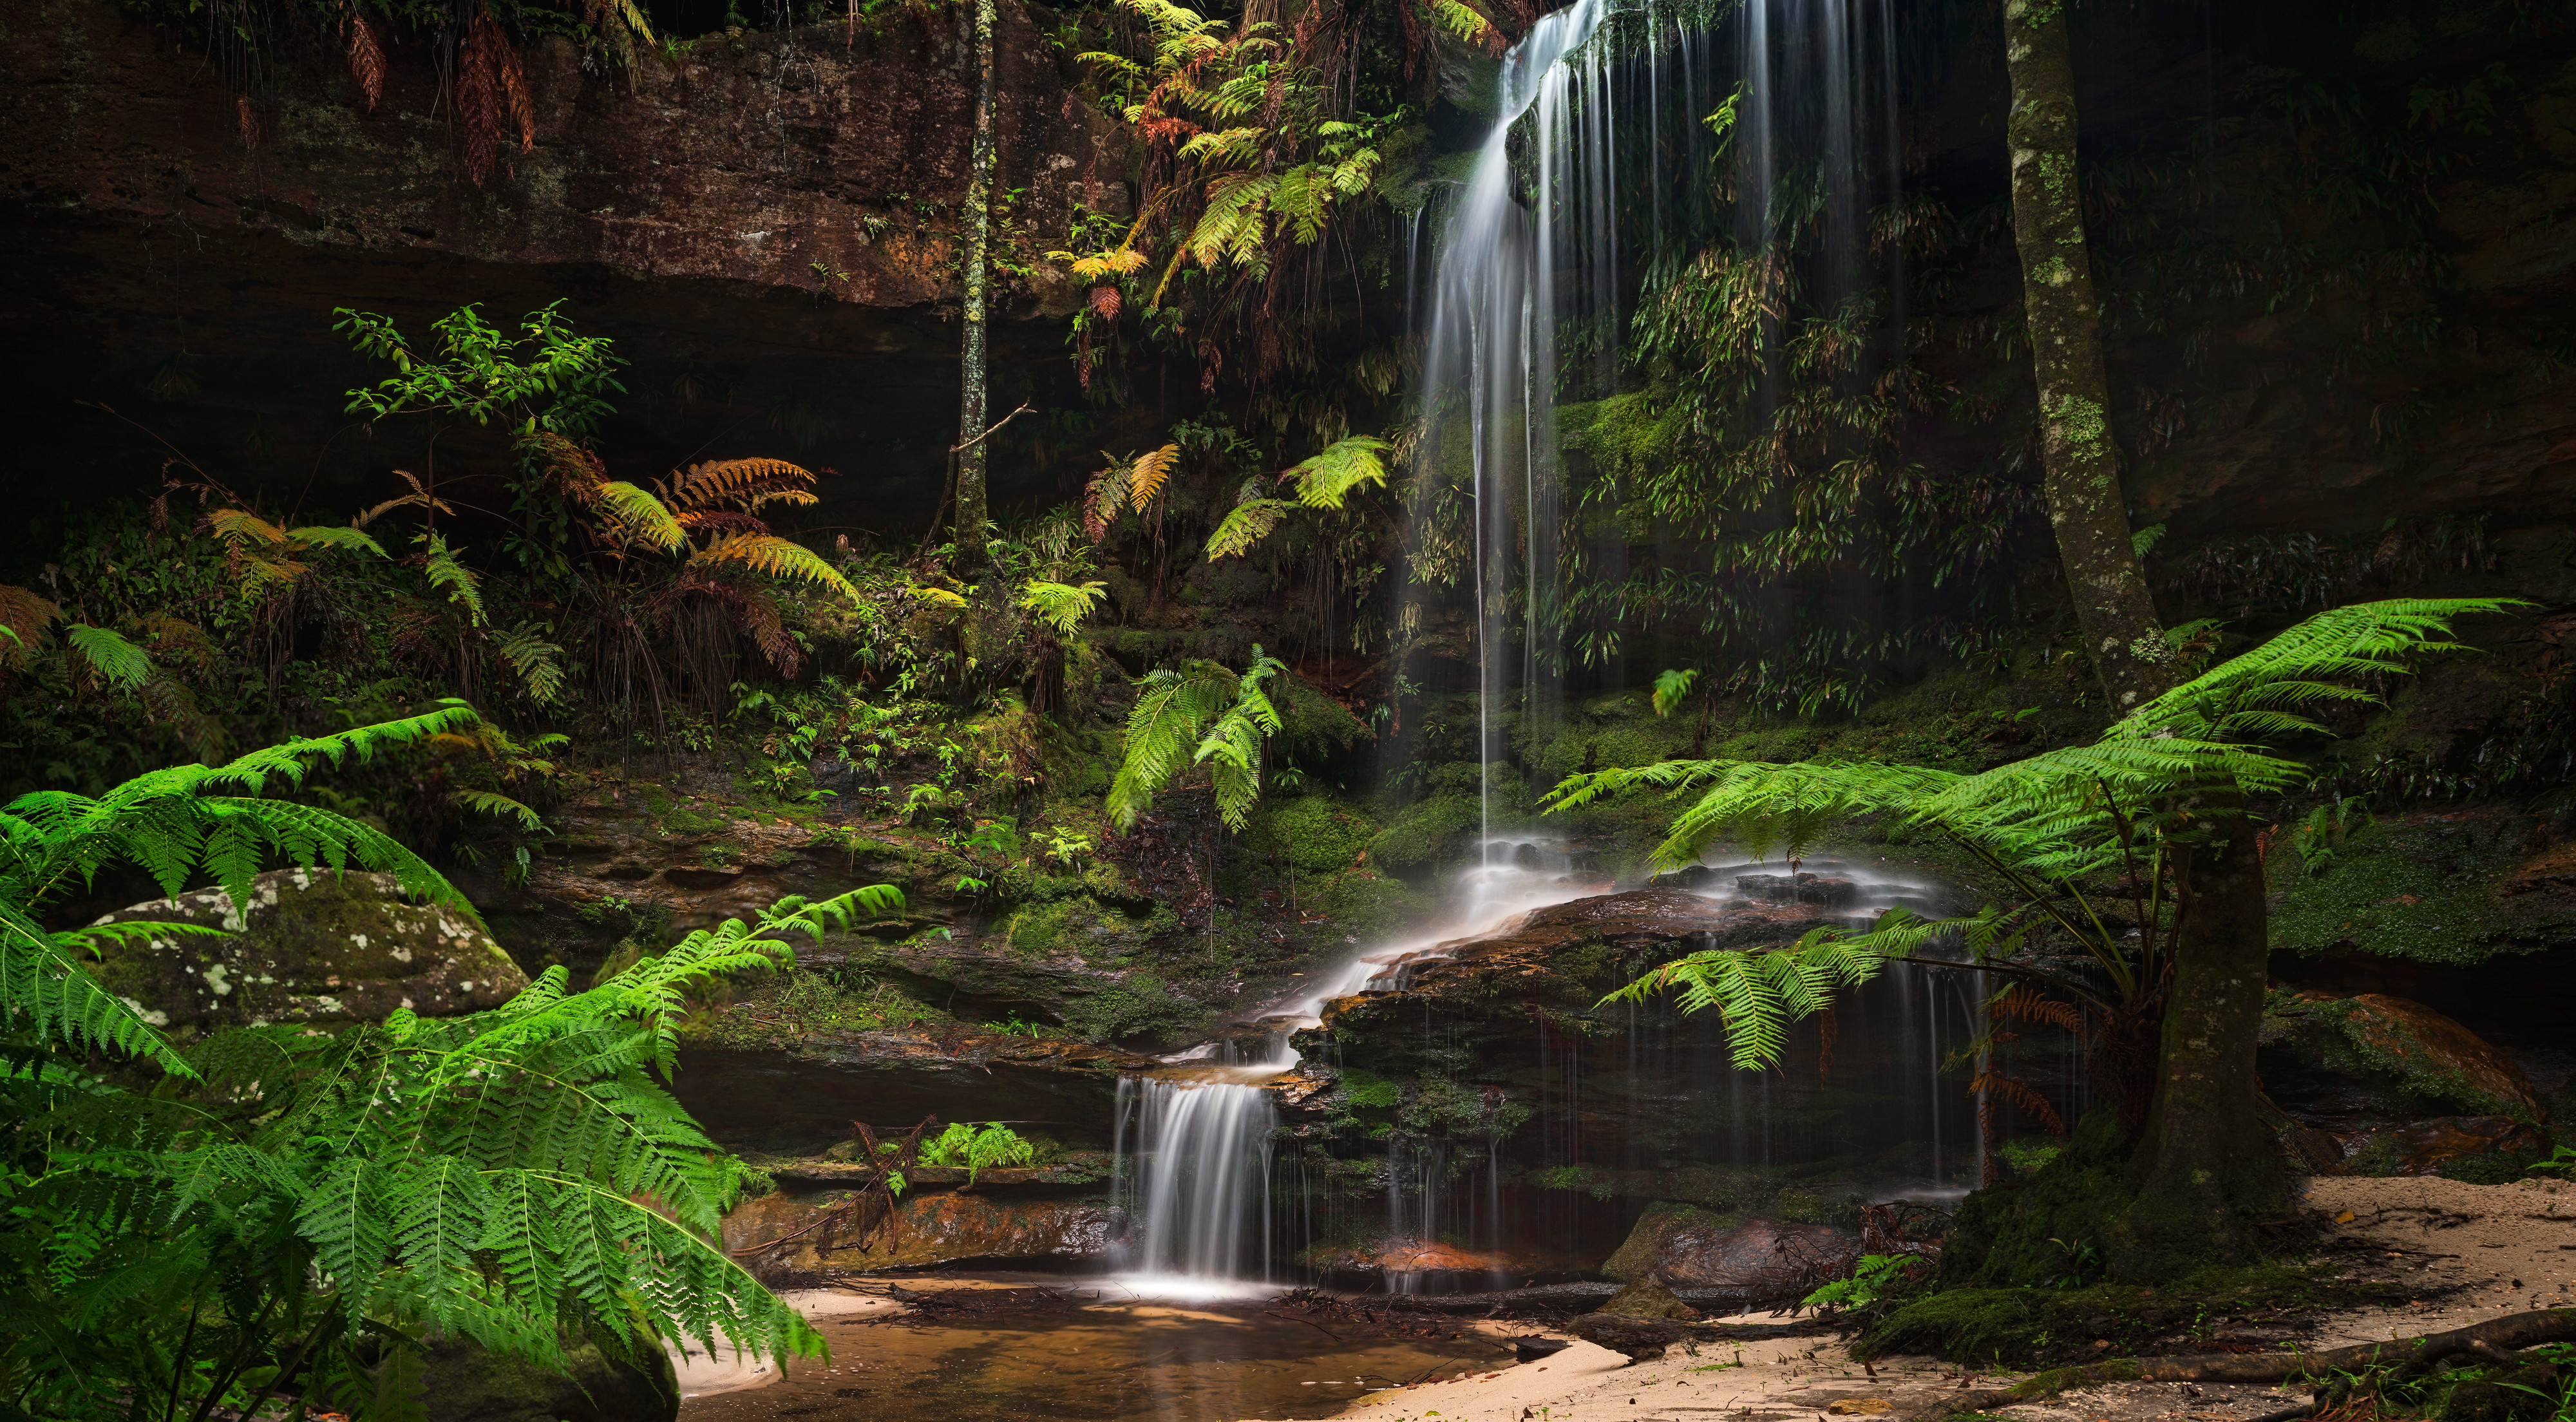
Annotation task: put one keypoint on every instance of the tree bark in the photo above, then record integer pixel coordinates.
(2082, 467)
(971, 405)
(2205, 1161)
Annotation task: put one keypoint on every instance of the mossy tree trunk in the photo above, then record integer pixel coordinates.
(971, 452)
(2205, 1163)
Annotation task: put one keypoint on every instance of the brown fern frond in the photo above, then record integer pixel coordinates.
(1105, 302)
(514, 92)
(756, 617)
(240, 526)
(577, 471)
(479, 96)
(722, 521)
(249, 121)
(2022, 1094)
(25, 615)
(366, 56)
(1145, 480)
(2026, 1004)
(747, 484)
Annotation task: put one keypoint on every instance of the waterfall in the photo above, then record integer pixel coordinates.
(1606, 109)
(1195, 1160)
(1490, 360)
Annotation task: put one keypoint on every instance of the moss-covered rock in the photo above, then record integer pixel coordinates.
(310, 946)
(2366, 1060)
(2428, 887)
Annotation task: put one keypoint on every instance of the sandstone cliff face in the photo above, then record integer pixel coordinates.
(745, 160)
(766, 226)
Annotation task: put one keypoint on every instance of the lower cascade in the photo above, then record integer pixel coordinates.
(1199, 1185)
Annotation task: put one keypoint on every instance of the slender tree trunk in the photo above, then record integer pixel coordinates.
(2205, 1162)
(2085, 504)
(971, 458)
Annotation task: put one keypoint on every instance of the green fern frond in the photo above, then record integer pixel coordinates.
(492, 802)
(778, 558)
(538, 662)
(1328, 478)
(1245, 525)
(635, 516)
(463, 587)
(116, 661)
(329, 536)
(1062, 606)
(1671, 687)
(1172, 709)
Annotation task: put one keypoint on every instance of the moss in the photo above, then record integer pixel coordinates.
(2419, 889)
(1142, 1007)
(1315, 833)
(2007, 1234)
(2377, 1043)
(1418, 837)
(787, 1007)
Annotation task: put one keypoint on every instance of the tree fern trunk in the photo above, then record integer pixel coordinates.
(2082, 468)
(971, 457)
(2204, 1165)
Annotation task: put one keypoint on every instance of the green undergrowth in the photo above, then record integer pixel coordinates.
(784, 1008)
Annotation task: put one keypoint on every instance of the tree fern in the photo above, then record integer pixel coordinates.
(2045, 824)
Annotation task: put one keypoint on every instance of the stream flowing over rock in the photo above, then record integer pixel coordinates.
(310, 946)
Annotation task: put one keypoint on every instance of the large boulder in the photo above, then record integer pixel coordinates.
(1688, 1247)
(2366, 1062)
(310, 946)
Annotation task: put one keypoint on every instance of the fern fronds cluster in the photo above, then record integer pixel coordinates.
(1199, 713)
(304, 1207)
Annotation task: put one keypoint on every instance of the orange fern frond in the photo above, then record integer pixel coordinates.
(2022, 1094)
(241, 526)
(418, 498)
(775, 556)
(721, 521)
(2029, 1006)
(747, 484)
(1145, 480)
(366, 56)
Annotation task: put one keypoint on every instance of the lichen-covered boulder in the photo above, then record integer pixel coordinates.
(310, 946)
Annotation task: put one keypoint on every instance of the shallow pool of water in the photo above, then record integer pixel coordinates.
(1098, 1352)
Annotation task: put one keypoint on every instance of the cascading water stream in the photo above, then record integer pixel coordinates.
(1522, 312)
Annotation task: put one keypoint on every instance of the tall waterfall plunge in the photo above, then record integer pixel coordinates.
(1606, 154)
